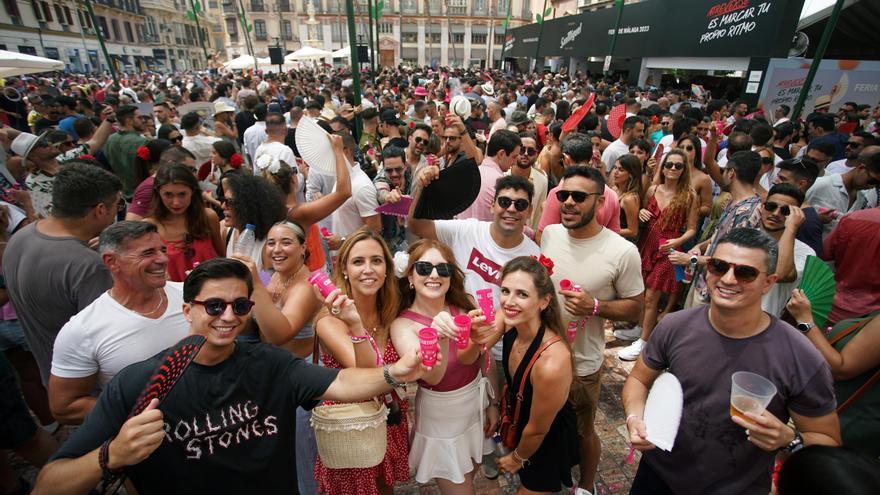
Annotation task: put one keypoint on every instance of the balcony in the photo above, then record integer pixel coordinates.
(229, 8)
(285, 7)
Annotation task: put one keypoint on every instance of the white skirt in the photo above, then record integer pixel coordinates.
(448, 437)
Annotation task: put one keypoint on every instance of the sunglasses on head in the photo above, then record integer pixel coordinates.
(772, 206)
(743, 273)
(675, 165)
(505, 202)
(424, 268)
(529, 151)
(578, 196)
(216, 306)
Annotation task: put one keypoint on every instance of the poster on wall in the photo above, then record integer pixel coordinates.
(841, 80)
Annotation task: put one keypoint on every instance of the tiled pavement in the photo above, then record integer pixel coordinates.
(614, 477)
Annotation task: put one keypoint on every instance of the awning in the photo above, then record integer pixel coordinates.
(855, 37)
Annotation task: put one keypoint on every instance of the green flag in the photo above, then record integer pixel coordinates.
(190, 15)
(505, 22)
(197, 7)
(380, 6)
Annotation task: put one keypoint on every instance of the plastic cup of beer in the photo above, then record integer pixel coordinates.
(428, 345)
(463, 324)
(751, 393)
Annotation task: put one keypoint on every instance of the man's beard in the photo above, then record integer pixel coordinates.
(524, 166)
(585, 219)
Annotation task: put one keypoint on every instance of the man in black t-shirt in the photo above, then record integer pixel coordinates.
(228, 425)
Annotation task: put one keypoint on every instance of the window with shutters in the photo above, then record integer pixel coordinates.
(117, 34)
(129, 34)
(260, 30)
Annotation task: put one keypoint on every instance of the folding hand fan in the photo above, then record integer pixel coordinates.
(615, 120)
(399, 209)
(452, 193)
(314, 147)
(169, 371)
(817, 282)
(663, 411)
(574, 120)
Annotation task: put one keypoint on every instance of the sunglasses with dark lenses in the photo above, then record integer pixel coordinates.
(424, 268)
(420, 140)
(675, 165)
(519, 204)
(743, 273)
(578, 196)
(176, 139)
(852, 144)
(767, 160)
(689, 147)
(394, 170)
(530, 151)
(451, 138)
(216, 306)
(772, 206)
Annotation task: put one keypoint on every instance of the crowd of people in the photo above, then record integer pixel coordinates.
(682, 223)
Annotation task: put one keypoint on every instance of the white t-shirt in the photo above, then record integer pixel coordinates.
(606, 266)
(774, 301)
(106, 336)
(479, 257)
(362, 204)
(614, 151)
(837, 167)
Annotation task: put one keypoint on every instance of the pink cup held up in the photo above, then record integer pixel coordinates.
(325, 232)
(320, 280)
(565, 284)
(463, 323)
(428, 345)
(486, 301)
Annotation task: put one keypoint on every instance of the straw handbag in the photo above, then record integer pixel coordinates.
(351, 435)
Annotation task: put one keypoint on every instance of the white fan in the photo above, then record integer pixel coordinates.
(663, 411)
(314, 147)
(461, 106)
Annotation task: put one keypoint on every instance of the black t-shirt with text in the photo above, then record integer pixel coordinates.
(228, 428)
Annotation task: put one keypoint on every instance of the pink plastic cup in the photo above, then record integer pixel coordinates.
(486, 301)
(320, 280)
(428, 345)
(325, 232)
(463, 323)
(565, 284)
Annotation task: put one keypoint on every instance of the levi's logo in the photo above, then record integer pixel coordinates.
(484, 267)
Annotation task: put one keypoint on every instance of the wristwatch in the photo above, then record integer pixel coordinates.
(694, 259)
(390, 379)
(796, 444)
(804, 327)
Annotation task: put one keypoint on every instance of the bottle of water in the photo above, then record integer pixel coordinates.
(244, 245)
(511, 479)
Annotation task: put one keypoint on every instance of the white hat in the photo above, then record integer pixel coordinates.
(24, 143)
(221, 107)
(487, 89)
(460, 106)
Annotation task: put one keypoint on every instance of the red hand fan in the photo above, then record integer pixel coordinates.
(615, 120)
(572, 122)
(169, 371)
(659, 153)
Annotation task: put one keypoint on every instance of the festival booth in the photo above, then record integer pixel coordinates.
(708, 37)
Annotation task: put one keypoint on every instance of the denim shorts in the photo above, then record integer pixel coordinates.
(12, 336)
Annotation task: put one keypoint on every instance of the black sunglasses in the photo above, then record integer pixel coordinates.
(424, 268)
(767, 160)
(420, 140)
(852, 144)
(578, 196)
(675, 165)
(689, 147)
(743, 273)
(505, 202)
(772, 206)
(216, 306)
(451, 138)
(175, 139)
(530, 151)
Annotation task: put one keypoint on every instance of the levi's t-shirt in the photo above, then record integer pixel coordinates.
(711, 453)
(229, 428)
(479, 257)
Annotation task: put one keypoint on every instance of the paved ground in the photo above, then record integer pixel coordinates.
(615, 476)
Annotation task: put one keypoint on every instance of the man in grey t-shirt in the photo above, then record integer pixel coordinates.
(715, 452)
(51, 274)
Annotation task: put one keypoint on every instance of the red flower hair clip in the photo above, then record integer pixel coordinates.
(143, 153)
(546, 262)
(236, 160)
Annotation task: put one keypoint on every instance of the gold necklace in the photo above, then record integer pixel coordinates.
(276, 294)
(147, 314)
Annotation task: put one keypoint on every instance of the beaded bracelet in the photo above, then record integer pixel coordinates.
(104, 459)
(595, 307)
(522, 462)
(357, 340)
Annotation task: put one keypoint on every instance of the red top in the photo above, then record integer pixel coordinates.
(457, 373)
(182, 258)
(853, 242)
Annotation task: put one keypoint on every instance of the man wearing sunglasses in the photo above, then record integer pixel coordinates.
(854, 145)
(608, 269)
(228, 424)
(502, 152)
(138, 317)
(715, 452)
(839, 192)
(419, 136)
(525, 168)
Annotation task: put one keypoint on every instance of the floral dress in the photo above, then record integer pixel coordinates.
(394, 468)
(658, 272)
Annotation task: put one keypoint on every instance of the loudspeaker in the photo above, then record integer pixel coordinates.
(276, 55)
(363, 54)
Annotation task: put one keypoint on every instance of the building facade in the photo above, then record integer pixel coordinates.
(63, 30)
(415, 32)
(172, 34)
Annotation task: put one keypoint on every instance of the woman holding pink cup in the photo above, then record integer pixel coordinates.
(452, 396)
